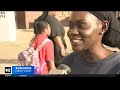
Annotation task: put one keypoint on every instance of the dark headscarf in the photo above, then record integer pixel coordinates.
(36, 22)
(109, 37)
(43, 16)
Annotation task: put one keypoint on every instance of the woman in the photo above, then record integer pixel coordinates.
(46, 54)
(57, 35)
(86, 32)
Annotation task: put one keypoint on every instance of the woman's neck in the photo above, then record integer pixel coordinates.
(97, 54)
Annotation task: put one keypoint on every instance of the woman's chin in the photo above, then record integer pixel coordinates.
(77, 49)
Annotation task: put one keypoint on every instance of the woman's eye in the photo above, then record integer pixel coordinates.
(79, 26)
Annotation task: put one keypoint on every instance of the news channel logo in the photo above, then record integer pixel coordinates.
(19, 71)
(8, 70)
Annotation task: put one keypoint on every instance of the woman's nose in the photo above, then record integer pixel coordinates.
(73, 31)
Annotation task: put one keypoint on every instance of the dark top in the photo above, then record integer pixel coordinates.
(118, 18)
(80, 65)
(56, 30)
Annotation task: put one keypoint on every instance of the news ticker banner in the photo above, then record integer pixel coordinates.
(19, 71)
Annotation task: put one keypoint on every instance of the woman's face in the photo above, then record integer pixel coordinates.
(84, 31)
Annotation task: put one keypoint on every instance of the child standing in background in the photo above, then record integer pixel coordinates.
(46, 54)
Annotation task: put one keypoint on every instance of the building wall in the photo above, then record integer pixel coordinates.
(25, 19)
(7, 26)
(30, 16)
(20, 19)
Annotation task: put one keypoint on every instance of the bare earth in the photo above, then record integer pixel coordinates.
(10, 50)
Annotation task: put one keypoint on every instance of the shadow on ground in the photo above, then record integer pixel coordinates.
(8, 61)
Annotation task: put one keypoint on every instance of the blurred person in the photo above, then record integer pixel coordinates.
(118, 18)
(57, 34)
(86, 31)
(46, 54)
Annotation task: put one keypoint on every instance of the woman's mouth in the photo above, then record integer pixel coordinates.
(76, 41)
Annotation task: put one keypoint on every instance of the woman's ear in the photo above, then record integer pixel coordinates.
(105, 25)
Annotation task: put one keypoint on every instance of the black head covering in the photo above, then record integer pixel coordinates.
(43, 16)
(36, 21)
(109, 37)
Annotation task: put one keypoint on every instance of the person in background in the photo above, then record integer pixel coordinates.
(57, 34)
(86, 31)
(46, 54)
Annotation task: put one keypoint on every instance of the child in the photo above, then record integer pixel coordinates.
(46, 54)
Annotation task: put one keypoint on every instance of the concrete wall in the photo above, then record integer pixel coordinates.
(7, 26)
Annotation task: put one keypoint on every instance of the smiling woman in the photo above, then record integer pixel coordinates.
(90, 56)
(82, 31)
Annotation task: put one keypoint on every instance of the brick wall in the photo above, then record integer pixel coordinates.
(30, 16)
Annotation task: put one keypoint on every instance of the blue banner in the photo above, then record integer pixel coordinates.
(23, 71)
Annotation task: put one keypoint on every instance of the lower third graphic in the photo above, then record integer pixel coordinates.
(21, 71)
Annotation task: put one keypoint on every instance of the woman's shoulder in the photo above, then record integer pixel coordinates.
(52, 19)
(118, 55)
(115, 58)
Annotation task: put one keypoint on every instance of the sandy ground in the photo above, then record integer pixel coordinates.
(10, 50)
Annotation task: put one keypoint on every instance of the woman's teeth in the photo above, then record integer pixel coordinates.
(75, 40)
